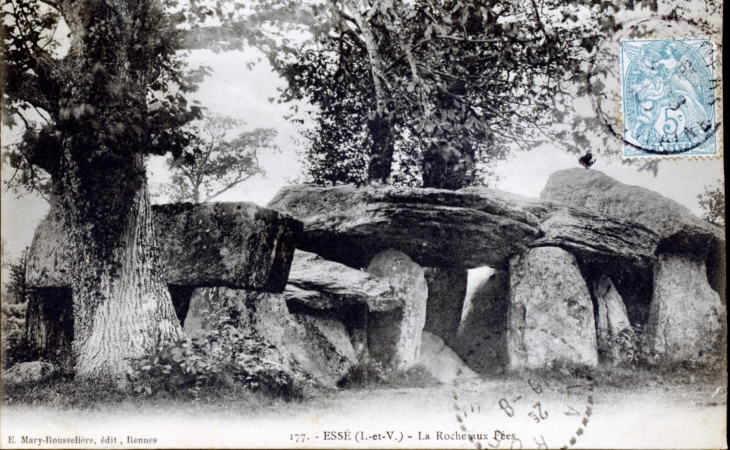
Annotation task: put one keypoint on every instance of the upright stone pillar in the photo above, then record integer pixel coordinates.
(446, 294)
(551, 314)
(611, 319)
(482, 339)
(685, 317)
(49, 326)
(394, 337)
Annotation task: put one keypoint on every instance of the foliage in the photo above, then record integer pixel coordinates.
(14, 305)
(712, 203)
(211, 165)
(433, 84)
(46, 93)
(376, 374)
(16, 289)
(95, 87)
(227, 354)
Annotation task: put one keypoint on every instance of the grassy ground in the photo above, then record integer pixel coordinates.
(678, 408)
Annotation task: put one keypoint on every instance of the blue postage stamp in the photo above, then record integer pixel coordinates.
(668, 88)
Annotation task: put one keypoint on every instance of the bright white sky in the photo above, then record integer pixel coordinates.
(237, 91)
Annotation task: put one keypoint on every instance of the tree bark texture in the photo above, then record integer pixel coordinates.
(121, 305)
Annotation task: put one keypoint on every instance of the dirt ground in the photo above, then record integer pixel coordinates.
(529, 411)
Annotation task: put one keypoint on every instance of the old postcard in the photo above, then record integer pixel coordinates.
(363, 224)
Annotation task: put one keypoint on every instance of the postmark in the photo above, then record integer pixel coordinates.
(531, 411)
(668, 90)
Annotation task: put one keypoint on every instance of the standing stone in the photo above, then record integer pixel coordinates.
(551, 314)
(482, 340)
(446, 295)
(49, 326)
(611, 320)
(685, 315)
(394, 337)
(318, 346)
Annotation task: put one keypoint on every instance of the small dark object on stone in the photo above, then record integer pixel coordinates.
(587, 160)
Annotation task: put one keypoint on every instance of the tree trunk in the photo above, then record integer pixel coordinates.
(443, 169)
(381, 153)
(380, 126)
(122, 307)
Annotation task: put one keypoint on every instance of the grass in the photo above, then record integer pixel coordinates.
(64, 393)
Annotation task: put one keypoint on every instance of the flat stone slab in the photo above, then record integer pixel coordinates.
(599, 239)
(239, 245)
(679, 230)
(434, 227)
(326, 285)
(592, 237)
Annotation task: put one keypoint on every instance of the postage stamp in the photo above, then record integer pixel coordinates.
(668, 88)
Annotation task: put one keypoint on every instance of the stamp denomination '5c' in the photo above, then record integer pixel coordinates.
(669, 98)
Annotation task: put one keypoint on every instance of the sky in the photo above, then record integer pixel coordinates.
(244, 93)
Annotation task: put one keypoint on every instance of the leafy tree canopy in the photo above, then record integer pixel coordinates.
(712, 203)
(211, 165)
(429, 87)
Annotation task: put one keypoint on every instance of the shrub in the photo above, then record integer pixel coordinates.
(226, 356)
(12, 313)
(375, 373)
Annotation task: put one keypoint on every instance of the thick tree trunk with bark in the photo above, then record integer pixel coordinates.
(122, 307)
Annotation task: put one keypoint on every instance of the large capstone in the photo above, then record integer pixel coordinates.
(686, 315)
(551, 314)
(435, 228)
(239, 245)
(394, 337)
(679, 231)
(593, 238)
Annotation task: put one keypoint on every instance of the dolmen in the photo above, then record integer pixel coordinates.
(580, 275)
(594, 271)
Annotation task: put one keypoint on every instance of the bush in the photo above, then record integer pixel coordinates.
(226, 356)
(375, 373)
(12, 313)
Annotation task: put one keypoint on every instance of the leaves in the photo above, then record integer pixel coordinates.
(434, 77)
(712, 203)
(227, 349)
(211, 163)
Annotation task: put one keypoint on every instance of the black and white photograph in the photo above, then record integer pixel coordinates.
(363, 224)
